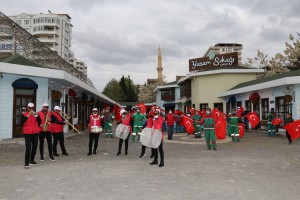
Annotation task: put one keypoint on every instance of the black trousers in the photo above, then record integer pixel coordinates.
(31, 143)
(144, 151)
(48, 136)
(94, 137)
(161, 152)
(288, 136)
(59, 137)
(126, 143)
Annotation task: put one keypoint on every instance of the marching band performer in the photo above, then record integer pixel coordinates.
(138, 119)
(209, 130)
(57, 131)
(149, 124)
(31, 130)
(108, 121)
(126, 118)
(45, 131)
(157, 124)
(94, 121)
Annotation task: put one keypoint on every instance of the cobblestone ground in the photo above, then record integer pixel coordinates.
(258, 167)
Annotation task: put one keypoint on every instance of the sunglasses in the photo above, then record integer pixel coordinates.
(46, 106)
(30, 107)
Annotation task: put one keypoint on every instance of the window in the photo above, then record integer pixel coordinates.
(203, 106)
(282, 107)
(219, 106)
(19, 22)
(185, 89)
(168, 95)
(264, 108)
(26, 22)
(248, 105)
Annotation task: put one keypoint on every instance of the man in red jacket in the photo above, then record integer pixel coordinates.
(45, 131)
(94, 131)
(31, 122)
(170, 119)
(58, 131)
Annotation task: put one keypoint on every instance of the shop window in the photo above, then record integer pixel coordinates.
(265, 108)
(282, 107)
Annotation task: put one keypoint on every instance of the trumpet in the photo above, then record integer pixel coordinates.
(33, 113)
(67, 117)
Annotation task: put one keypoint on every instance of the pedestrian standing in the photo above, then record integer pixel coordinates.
(170, 119)
(31, 122)
(271, 127)
(288, 120)
(196, 122)
(58, 131)
(233, 131)
(94, 131)
(45, 131)
(245, 119)
(138, 120)
(108, 121)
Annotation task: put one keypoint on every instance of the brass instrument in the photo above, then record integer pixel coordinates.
(67, 117)
(46, 123)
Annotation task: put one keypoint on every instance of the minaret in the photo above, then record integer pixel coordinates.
(159, 67)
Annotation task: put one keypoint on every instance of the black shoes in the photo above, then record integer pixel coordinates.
(89, 154)
(42, 158)
(94, 152)
(126, 152)
(55, 154)
(26, 165)
(161, 164)
(119, 152)
(33, 163)
(154, 162)
(152, 156)
(65, 154)
(52, 158)
(142, 156)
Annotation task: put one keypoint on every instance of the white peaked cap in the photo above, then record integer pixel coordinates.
(45, 104)
(30, 105)
(57, 108)
(95, 109)
(122, 111)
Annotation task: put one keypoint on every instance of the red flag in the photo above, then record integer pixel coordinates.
(220, 128)
(277, 121)
(253, 119)
(240, 111)
(216, 113)
(241, 129)
(142, 107)
(188, 124)
(116, 112)
(293, 129)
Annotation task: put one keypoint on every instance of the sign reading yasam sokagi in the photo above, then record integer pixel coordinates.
(220, 60)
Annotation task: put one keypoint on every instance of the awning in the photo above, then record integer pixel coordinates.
(254, 97)
(168, 104)
(72, 93)
(231, 99)
(25, 83)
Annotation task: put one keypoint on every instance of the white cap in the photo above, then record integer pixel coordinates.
(57, 108)
(45, 104)
(95, 109)
(158, 110)
(30, 105)
(122, 111)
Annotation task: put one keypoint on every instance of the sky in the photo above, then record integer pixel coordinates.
(122, 37)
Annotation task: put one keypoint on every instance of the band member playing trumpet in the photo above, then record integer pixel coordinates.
(31, 130)
(58, 131)
(45, 131)
(94, 131)
(126, 118)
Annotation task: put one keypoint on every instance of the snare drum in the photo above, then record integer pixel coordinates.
(96, 129)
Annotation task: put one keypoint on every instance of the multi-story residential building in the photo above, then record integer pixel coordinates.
(80, 65)
(54, 30)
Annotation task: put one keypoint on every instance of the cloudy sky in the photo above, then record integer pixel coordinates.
(121, 37)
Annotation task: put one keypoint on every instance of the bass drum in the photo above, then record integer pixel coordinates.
(151, 137)
(122, 131)
(96, 129)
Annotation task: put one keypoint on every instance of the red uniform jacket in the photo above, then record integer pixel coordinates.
(43, 118)
(31, 126)
(57, 126)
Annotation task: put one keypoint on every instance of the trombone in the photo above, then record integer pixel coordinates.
(67, 117)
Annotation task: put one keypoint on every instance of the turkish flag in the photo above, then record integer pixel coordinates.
(220, 128)
(188, 124)
(216, 113)
(116, 112)
(241, 129)
(253, 119)
(277, 121)
(293, 129)
(239, 113)
(142, 107)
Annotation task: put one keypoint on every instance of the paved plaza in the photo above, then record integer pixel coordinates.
(258, 168)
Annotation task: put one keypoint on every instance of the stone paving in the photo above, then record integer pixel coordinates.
(258, 167)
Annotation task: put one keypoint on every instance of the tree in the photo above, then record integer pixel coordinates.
(281, 63)
(146, 92)
(113, 90)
